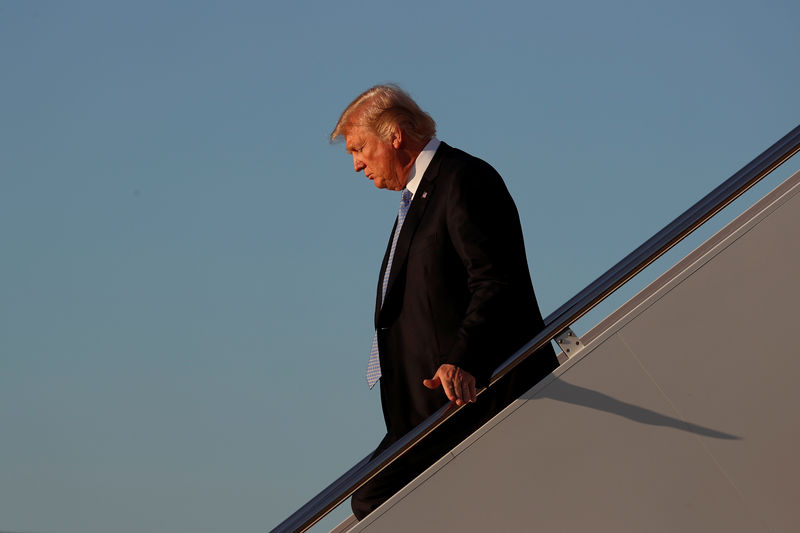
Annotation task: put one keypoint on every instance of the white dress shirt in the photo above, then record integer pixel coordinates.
(421, 165)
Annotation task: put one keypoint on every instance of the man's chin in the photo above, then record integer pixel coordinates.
(381, 184)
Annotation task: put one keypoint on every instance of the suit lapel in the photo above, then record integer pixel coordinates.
(378, 302)
(422, 197)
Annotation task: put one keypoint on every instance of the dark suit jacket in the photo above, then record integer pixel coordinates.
(459, 292)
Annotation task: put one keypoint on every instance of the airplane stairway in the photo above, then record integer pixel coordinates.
(680, 413)
(677, 412)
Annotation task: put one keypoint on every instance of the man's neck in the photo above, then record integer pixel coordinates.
(407, 155)
(421, 163)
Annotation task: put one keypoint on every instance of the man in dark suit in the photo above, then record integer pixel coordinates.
(454, 298)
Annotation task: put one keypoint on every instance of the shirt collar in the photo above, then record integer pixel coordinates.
(421, 165)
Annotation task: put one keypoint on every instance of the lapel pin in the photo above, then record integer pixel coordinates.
(425, 194)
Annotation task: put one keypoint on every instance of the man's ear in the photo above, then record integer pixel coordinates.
(397, 137)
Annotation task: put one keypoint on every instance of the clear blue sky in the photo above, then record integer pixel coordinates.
(188, 268)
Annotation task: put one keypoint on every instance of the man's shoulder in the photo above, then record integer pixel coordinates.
(454, 159)
(453, 153)
(458, 168)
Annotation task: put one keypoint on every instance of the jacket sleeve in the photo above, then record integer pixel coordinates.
(484, 229)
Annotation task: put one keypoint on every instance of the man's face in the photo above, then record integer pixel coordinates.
(377, 158)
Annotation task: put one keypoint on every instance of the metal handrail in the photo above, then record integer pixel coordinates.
(558, 321)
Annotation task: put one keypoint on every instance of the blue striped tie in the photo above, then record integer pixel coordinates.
(374, 365)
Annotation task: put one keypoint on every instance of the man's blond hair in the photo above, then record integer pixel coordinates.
(382, 107)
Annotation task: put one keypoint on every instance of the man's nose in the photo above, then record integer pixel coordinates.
(358, 166)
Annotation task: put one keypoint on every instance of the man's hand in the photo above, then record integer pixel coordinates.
(458, 384)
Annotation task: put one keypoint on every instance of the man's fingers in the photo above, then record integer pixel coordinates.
(473, 394)
(460, 388)
(432, 383)
(449, 390)
(458, 385)
(464, 385)
(455, 385)
(465, 393)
